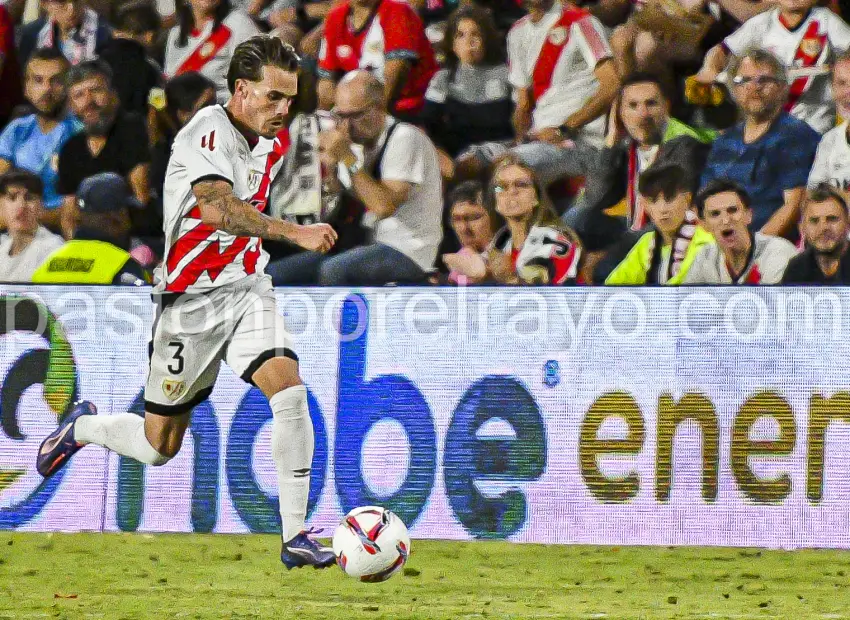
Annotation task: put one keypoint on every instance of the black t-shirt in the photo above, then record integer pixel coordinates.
(134, 74)
(126, 147)
(804, 269)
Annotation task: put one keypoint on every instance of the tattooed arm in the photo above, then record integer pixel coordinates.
(223, 210)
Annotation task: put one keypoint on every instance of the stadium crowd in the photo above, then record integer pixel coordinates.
(615, 142)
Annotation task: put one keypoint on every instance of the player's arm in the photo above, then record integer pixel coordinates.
(221, 209)
(522, 112)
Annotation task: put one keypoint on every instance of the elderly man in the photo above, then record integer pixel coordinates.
(739, 257)
(391, 168)
(769, 154)
(26, 244)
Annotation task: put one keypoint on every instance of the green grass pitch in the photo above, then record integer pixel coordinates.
(144, 577)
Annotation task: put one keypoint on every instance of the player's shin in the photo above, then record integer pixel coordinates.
(123, 433)
(292, 452)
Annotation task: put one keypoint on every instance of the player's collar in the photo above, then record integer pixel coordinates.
(785, 24)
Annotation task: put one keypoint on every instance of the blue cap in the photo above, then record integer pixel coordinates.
(104, 193)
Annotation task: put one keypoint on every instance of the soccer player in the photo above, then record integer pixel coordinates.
(214, 302)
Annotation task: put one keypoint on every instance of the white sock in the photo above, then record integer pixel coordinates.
(123, 433)
(292, 452)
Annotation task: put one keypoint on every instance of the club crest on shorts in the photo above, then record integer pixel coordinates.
(173, 389)
(558, 35)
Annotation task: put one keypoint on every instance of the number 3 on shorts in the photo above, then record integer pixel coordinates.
(175, 367)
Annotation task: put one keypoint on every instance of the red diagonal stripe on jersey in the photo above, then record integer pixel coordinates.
(800, 85)
(281, 146)
(550, 53)
(195, 62)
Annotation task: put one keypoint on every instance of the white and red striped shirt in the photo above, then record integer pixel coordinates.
(556, 58)
(208, 50)
(199, 257)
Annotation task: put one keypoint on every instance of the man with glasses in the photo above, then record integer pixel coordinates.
(805, 38)
(391, 167)
(214, 302)
(769, 154)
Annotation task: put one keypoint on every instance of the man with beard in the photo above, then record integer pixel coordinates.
(770, 153)
(825, 227)
(111, 141)
(739, 257)
(32, 142)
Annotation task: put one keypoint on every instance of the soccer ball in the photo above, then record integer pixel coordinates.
(371, 544)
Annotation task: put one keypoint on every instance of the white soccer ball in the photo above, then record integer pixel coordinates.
(371, 544)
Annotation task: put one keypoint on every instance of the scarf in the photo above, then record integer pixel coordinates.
(681, 242)
(296, 193)
(81, 43)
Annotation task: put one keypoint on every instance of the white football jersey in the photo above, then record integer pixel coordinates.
(197, 256)
(208, 51)
(571, 81)
(832, 162)
(815, 42)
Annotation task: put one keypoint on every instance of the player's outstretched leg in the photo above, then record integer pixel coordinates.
(123, 433)
(292, 452)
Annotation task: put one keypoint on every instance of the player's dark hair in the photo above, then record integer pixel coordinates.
(21, 178)
(667, 180)
(186, 20)
(494, 53)
(824, 192)
(260, 51)
(182, 91)
(137, 18)
(720, 186)
(48, 53)
(86, 70)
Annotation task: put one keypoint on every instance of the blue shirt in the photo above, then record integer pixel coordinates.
(778, 161)
(23, 144)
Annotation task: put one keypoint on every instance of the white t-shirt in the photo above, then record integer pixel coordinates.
(832, 162)
(573, 81)
(21, 266)
(197, 256)
(822, 36)
(416, 228)
(209, 52)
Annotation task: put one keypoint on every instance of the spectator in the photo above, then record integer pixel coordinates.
(664, 255)
(825, 227)
(473, 224)
(801, 35)
(134, 72)
(10, 73)
(204, 38)
(295, 18)
(26, 244)
(564, 81)
(33, 142)
(111, 141)
(469, 101)
(182, 98)
(740, 257)
(76, 31)
(534, 247)
(385, 37)
(640, 132)
(98, 252)
(832, 161)
(770, 153)
(399, 184)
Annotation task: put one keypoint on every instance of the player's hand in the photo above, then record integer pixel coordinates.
(315, 237)
(336, 143)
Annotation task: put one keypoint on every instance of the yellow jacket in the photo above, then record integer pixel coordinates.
(634, 269)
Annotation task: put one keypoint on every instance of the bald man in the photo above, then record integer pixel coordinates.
(392, 168)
